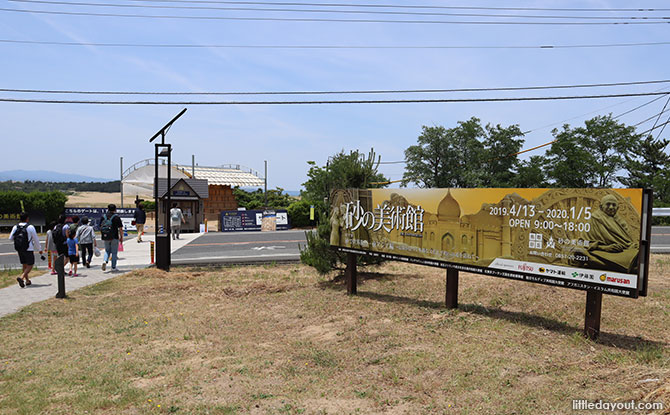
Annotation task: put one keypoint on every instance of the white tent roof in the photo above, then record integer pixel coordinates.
(226, 176)
(138, 179)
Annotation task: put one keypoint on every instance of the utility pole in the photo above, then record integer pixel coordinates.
(266, 183)
(121, 181)
(193, 166)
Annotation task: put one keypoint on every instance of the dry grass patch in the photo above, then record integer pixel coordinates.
(8, 275)
(282, 340)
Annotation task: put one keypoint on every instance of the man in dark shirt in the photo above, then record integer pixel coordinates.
(109, 228)
(140, 220)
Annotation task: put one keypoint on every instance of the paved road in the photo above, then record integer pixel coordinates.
(9, 258)
(242, 247)
(245, 247)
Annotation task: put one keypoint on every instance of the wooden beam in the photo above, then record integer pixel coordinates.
(592, 317)
(451, 297)
(350, 274)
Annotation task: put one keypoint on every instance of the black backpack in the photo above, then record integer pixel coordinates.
(106, 228)
(73, 228)
(21, 238)
(57, 235)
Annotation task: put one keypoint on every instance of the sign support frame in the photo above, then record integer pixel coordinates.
(451, 292)
(594, 302)
(351, 274)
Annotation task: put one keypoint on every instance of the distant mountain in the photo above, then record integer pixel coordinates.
(47, 176)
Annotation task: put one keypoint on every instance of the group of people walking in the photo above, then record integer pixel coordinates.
(72, 241)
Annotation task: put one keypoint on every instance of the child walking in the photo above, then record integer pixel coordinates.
(73, 253)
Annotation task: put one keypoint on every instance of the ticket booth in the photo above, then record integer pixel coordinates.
(189, 195)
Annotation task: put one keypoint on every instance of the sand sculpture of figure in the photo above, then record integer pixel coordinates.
(611, 245)
(336, 224)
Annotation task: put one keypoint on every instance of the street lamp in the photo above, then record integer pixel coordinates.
(163, 150)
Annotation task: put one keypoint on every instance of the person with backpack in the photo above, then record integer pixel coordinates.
(176, 219)
(86, 237)
(109, 230)
(26, 241)
(59, 235)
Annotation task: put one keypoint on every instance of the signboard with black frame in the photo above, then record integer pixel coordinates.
(595, 240)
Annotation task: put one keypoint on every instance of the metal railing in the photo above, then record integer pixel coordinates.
(660, 212)
(187, 168)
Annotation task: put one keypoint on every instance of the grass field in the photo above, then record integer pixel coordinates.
(8, 275)
(282, 340)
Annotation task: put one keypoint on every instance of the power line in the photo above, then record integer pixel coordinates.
(662, 110)
(163, 45)
(299, 19)
(657, 116)
(655, 127)
(393, 91)
(638, 107)
(374, 12)
(391, 101)
(414, 6)
(598, 110)
(662, 129)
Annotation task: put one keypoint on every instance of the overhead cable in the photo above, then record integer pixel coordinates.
(638, 107)
(310, 19)
(343, 92)
(655, 127)
(374, 12)
(411, 6)
(390, 101)
(229, 46)
(657, 116)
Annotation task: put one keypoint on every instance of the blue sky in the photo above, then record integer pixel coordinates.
(91, 138)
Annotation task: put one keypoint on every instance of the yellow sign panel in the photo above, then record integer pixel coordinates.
(578, 238)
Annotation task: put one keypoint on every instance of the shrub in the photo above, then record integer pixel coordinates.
(318, 253)
(51, 204)
(298, 212)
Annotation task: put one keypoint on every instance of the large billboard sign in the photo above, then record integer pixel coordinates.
(254, 220)
(589, 239)
(95, 215)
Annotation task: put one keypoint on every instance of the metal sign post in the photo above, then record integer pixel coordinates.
(163, 251)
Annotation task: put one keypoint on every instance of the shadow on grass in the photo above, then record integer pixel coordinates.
(338, 280)
(621, 341)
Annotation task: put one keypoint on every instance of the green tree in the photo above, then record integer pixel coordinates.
(589, 156)
(467, 155)
(501, 162)
(276, 199)
(648, 166)
(530, 173)
(343, 171)
(51, 204)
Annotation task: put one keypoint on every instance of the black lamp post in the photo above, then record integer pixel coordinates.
(163, 240)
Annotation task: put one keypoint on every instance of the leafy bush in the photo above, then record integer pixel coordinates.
(298, 212)
(39, 186)
(51, 204)
(149, 205)
(318, 253)
(343, 170)
(276, 199)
